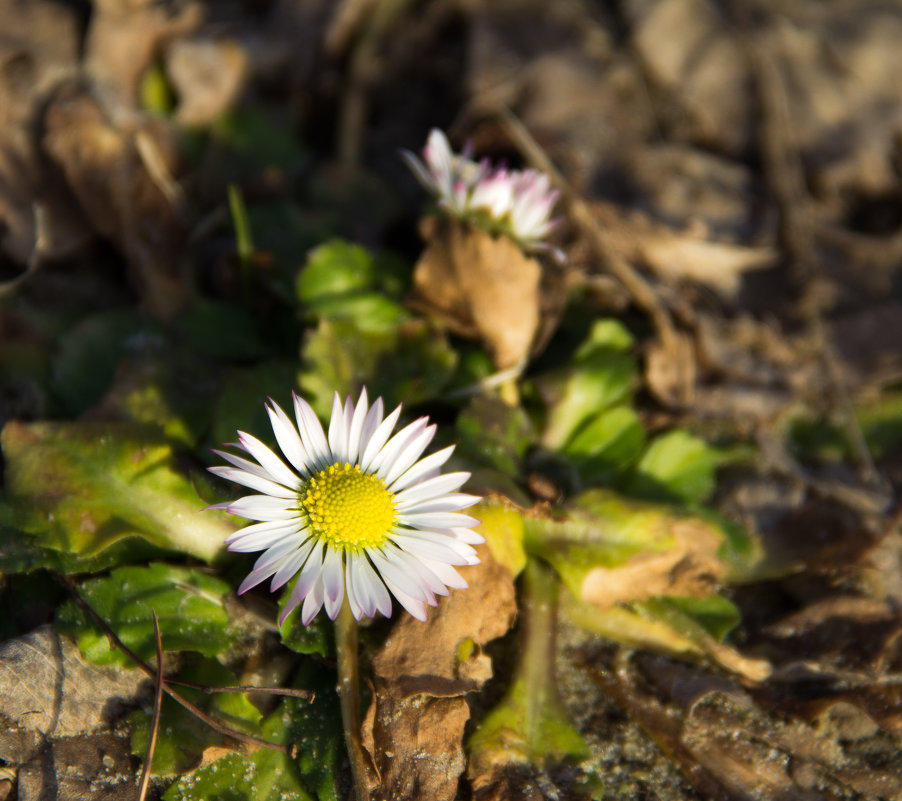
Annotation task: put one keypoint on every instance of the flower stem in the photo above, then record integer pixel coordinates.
(349, 693)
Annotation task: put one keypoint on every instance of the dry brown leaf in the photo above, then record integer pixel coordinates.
(39, 47)
(670, 369)
(481, 286)
(414, 727)
(125, 36)
(48, 690)
(208, 77)
(123, 198)
(691, 568)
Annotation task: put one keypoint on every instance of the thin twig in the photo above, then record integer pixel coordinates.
(111, 635)
(157, 708)
(581, 216)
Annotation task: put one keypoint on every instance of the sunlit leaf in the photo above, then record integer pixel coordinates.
(188, 603)
(80, 487)
(607, 444)
(602, 373)
(676, 467)
(338, 282)
(502, 526)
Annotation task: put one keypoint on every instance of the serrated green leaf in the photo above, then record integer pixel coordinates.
(81, 487)
(408, 363)
(676, 467)
(188, 603)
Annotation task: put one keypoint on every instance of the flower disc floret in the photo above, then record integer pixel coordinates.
(347, 508)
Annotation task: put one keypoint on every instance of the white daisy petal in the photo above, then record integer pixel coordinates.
(378, 598)
(262, 507)
(311, 431)
(414, 606)
(253, 481)
(395, 446)
(371, 422)
(417, 567)
(313, 601)
(244, 464)
(355, 428)
(378, 438)
(446, 573)
(288, 438)
(246, 541)
(431, 488)
(291, 565)
(431, 549)
(333, 585)
(287, 568)
(390, 571)
(390, 471)
(352, 590)
(338, 434)
(273, 465)
(437, 520)
(452, 502)
(309, 574)
(422, 469)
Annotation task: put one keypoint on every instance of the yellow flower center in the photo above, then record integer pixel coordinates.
(348, 508)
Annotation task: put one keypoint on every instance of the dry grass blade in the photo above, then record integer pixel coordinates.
(157, 707)
(248, 739)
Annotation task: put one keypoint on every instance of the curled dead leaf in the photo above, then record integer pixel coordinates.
(481, 286)
(122, 181)
(690, 568)
(414, 727)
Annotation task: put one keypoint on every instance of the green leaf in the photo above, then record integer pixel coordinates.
(503, 528)
(189, 605)
(335, 268)
(408, 363)
(494, 433)
(530, 725)
(80, 487)
(717, 615)
(317, 638)
(675, 467)
(601, 375)
(270, 775)
(338, 283)
(607, 444)
(183, 737)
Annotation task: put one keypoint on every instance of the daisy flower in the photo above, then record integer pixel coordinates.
(355, 514)
(517, 203)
